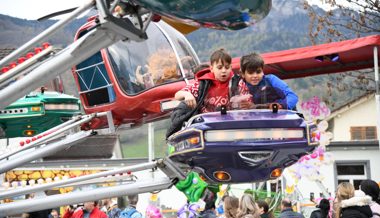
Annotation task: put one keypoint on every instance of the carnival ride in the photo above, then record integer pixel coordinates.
(116, 21)
(109, 29)
(41, 109)
(37, 112)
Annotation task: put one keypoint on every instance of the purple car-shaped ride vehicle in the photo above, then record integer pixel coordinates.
(243, 145)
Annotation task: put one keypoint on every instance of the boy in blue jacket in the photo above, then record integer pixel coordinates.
(265, 88)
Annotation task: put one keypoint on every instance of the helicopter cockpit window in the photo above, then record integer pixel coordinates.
(139, 66)
(186, 53)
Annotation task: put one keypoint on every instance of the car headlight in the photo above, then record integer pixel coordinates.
(188, 141)
(187, 144)
(61, 107)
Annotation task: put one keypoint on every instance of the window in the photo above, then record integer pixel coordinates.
(139, 66)
(94, 83)
(363, 132)
(351, 172)
(189, 60)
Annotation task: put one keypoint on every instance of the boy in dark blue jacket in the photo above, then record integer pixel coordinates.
(265, 88)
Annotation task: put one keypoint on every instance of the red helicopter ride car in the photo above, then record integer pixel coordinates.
(135, 79)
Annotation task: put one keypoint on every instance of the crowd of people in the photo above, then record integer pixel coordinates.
(348, 203)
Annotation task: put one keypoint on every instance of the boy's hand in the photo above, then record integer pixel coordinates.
(246, 105)
(190, 100)
(240, 101)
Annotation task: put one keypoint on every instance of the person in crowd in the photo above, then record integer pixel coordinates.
(90, 210)
(113, 210)
(130, 211)
(209, 211)
(264, 209)
(350, 203)
(220, 206)
(105, 205)
(231, 206)
(24, 215)
(287, 211)
(54, 214)
(323, 209)
(371, 188)
(265, 88)
(247, 207)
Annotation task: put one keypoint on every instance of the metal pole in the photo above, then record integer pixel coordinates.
(36, 188)
(151, 141)
(322, 188)
(377, 95)
(53, 201)
(57, 130)
(45, 34)
(77, 52)
(43, 151)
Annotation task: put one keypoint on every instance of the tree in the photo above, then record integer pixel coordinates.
(345, 20)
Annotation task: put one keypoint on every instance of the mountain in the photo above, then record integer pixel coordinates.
(15, 32)
(286, 20)
(285, 27)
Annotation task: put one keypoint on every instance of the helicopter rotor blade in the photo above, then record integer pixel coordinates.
(56, 14)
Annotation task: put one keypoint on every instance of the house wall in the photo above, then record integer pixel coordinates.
(363, 114)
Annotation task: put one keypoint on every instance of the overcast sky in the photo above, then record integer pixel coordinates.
(34, 9)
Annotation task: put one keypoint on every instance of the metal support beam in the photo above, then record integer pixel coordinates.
(73, 123)
(43, 151)
(170, 169)
(90, 163)
(151, 141)
(53, 201)
(377, 96)
(323, 189)
(37, 188)
(111, 125)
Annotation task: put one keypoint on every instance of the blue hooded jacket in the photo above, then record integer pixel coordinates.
(272, 89)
